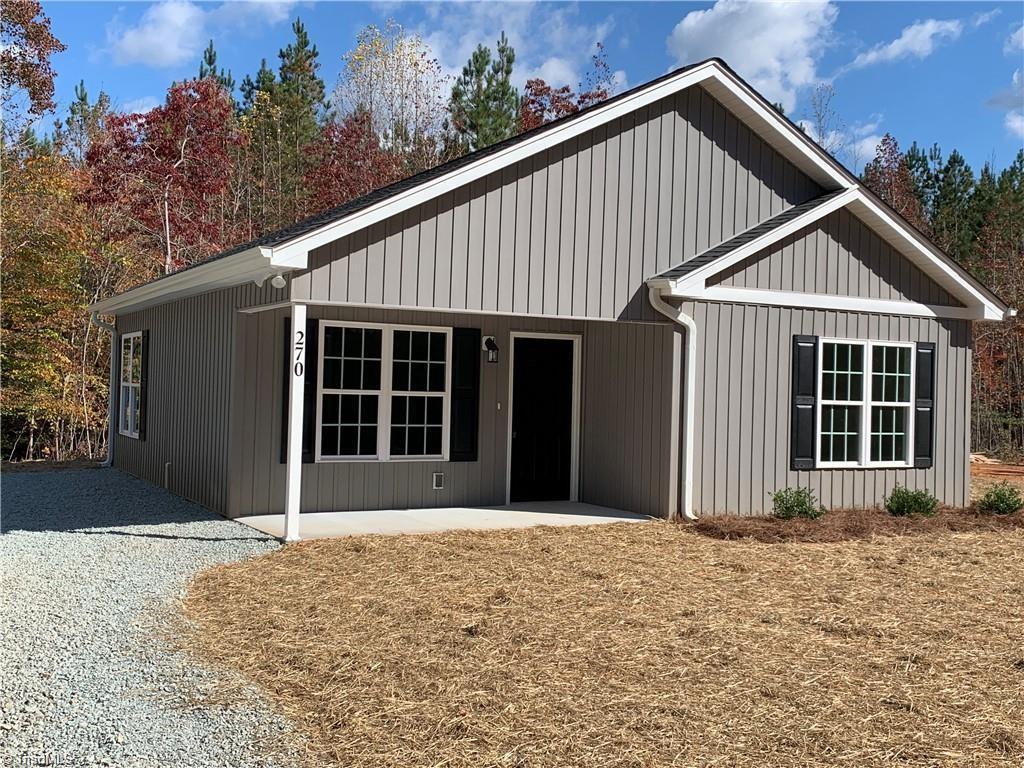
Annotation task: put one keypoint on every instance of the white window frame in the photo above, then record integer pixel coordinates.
(385, 393)
(126, 424)
(866, 403)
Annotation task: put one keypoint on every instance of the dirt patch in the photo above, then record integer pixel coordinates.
(848, 524)
(632, 645)
(984, 476)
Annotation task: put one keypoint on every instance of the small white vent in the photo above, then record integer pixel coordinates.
(438, 481)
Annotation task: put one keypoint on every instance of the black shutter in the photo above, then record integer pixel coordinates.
(466, 354)
(309, 390)
(804, 404)
(924, 406)
(143, 386)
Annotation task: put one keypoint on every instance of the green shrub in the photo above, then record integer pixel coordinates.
(903, 501)
(1001, 499)
(796, 502)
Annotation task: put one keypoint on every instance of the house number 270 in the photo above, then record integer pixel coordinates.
(300, 349)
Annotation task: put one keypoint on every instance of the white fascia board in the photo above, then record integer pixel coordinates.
(236, 269)
(802, 152)
(696, 279)
(928, 259)
(822, 301)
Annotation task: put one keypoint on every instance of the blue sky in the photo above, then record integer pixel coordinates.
(944, 72)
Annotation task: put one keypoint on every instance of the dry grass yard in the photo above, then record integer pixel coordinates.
(632, 645)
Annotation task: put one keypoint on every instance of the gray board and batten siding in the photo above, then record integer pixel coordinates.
(626, 381)
(743, 371)
(837, 255)
(575, 230)
(189, 382)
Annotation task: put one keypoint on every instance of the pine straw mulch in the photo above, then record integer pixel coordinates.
(631, 645)
(846, 524)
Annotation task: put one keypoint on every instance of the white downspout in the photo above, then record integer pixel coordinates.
(689, 415)
(111, 431)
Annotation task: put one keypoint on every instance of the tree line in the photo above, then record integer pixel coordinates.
(107, 200)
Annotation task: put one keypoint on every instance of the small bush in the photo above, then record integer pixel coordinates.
(903, 501)
(1001, 499)
(796, 502)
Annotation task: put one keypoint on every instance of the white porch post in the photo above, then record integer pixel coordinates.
(296, 388)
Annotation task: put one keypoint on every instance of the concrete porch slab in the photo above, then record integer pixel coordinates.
(323, 525)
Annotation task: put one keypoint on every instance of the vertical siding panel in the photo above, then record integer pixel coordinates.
(478, 204)
(627, 172)
(728, 202)
(581, 237)
(507, 240)
(707, 172)
(524, 238)
(538, 228)
(671, 186)
(610, 251)
(460, 249)
(567, 231)
(491, 254)
(427, 244)
(444, 249)
(598, 219)
(688, 168)
(552, 237)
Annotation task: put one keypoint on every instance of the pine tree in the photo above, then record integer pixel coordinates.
(953, 225)
(484, 105)
(923, 169)
(208, 68)
(265, 82)
(299, 96)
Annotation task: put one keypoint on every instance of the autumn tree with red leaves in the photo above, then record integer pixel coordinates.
(542, 103)
(888, 176)
(348, 162)
(165, 171)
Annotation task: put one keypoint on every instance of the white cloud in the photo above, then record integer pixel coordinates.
(1012, 101)
(172, 32)
(551, 42)
(1012, 97)
(168, 33)
(1015, 42)
(1014, 122)
(776, 46)
(980, 19)
(919, 40)
(139, 105)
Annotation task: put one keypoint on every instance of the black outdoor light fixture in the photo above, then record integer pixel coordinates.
(491, 347)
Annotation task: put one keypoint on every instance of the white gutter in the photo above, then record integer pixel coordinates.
(113, 386)
(689, 417)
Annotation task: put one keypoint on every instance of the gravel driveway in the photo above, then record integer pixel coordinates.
(91, 564)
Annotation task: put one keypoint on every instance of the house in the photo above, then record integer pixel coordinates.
(673, 303)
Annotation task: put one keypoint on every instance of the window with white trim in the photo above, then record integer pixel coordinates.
(131, 384)
(383, 392)
(865, 417)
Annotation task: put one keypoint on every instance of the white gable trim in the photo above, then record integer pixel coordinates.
(718, 80)
(980, 304)
(698, 277)
(832, 302)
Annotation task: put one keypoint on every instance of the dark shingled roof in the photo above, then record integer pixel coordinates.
(766, 226)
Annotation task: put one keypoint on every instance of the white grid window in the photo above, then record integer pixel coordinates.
(131, 384)
(384, 392)
(864, 416)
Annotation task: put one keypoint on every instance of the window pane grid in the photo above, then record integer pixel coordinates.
(369, 416)
(131, 384)
(861, 426)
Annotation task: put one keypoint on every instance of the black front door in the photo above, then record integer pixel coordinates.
(541, 419)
